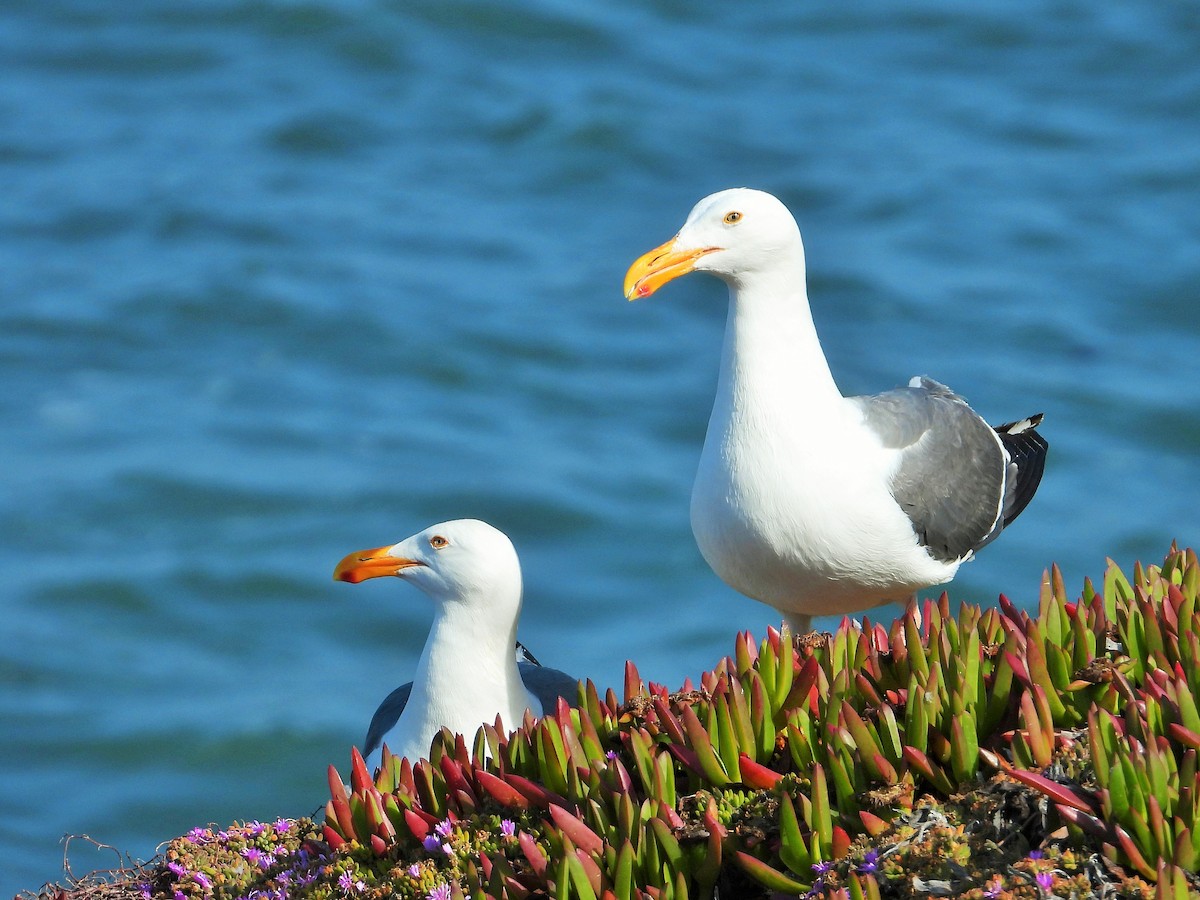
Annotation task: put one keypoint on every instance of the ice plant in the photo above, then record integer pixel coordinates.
(870, 863)
(833, 765)
(348, 884)
(434, 844)
(774, 761)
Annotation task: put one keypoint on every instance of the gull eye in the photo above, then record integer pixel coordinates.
(732, 218)
(437, 542)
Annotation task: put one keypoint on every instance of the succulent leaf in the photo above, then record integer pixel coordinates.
(767, 876)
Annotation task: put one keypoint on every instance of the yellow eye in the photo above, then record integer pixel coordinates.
(732, 218)
(437, 542)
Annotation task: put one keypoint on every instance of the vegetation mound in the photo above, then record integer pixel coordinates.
(991, 753)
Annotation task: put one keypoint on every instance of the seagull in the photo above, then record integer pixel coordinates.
(468, 673)
(808, 501)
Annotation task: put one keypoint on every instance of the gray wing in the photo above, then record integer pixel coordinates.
(545, 684)
(385, 717)
(548, 685)
(953, 480)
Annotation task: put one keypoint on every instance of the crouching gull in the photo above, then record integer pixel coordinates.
(806, 500)
(468, 672)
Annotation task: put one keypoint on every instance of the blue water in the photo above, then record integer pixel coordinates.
(282, 280)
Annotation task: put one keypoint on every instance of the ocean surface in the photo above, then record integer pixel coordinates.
(282, 280)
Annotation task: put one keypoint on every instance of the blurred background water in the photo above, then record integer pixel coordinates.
(282, 280)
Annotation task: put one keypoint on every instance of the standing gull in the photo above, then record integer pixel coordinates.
(468, 672)
(806, 500)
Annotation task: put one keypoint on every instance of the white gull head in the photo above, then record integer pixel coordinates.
(466, 562)
(737, 235)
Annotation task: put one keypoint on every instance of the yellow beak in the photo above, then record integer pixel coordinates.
(654, 269)
(371, 564)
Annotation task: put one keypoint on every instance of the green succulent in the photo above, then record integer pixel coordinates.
(834, 765)
(792, 748)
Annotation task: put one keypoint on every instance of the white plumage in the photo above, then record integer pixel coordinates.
(468, 672)
(806, 500)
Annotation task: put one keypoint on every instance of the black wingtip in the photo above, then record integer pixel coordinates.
(1020, 426)
(523, 655)
(1027, 449)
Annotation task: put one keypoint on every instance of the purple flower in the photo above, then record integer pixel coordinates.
(414, 871)
(610, 754)
(199, 835)
(282, 825)
(444, 828)
(180, 895)
(254, 829)
(508, 828)
(253, 855)
(1045, 880)
(144, 890)
(994, 887)
(176, 869)
(201, 879)
(822, 867)
(870, 862)
(433, 843)
(1036, 854)
(441, 892)
(347, 883)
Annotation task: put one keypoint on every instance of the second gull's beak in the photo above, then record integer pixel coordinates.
(371, 564)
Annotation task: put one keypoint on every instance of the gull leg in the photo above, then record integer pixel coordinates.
(799, 623)
(915, 602)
